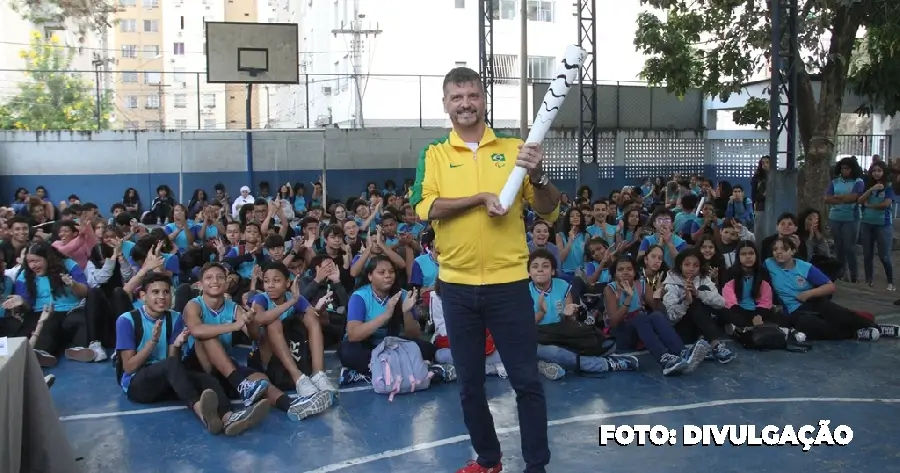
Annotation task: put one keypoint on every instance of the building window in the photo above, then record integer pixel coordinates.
(505, 9)
(151, 52)
(180, 101)
(127, 3)
(51, 32)
(179, 49)
(460, 3)
(152, 101)
(180, 124)
(151, 26)
(506, 69)
(180, 75)
(127, 26)
(541, 67)
(129, 77)
(129, 50)
(151, 3)
(460, 64)
(153, 125)
(209, 123)
(131, 101)
(209, 100)
(152, 78)
(540, 10)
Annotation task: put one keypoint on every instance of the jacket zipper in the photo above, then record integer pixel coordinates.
(481, 225)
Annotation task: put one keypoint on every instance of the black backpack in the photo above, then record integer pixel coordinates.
(138, 337)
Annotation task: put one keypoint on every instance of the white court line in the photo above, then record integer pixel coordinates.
(587, 418)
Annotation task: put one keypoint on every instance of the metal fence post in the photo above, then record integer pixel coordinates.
(199, 98)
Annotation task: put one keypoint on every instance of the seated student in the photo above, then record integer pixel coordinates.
(707, 225)
(690, 297)
(595, 274)
(629, 231)
(493, 365)
(600, 228)
(181, 232)
(570, 240)
(425, 266)
(325, 283)
(150, 371)
(803, 290)
(47, 278)
(684, 220)
(552, 304)
(787, 227)
(748, 294)
(732, 233)
(379, 308)
(712, 263)
(244, 257)
(374, 247)
(663, 236)
(279, 304)
(627, 303)
(211, 319)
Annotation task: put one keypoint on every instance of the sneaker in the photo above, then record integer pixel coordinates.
(501, 371)
(696, 354)
(305, 386)
(889, 330)
(445, 373)
(80, 354)
(473, 467)
(551, 371)
(673, 364)
(348, 377)
(322, 383)
(99, 352)
(797, 336)
(722, 354)
(303, 407)
(868, 334)
(209, 412)
(252, 391)
(890, 288)
(50, 379)
(622, 363)
(45, 359)
(245, 418)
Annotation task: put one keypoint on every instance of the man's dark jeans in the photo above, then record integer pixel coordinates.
(507, 310)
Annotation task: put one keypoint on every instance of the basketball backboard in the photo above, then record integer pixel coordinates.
(261, 53)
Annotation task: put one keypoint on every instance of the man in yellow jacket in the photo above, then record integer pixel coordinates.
(483, 264)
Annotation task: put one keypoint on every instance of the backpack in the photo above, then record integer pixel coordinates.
(138, 338)
(397, 368)
(581, 339)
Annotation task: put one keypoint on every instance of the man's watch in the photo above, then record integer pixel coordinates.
(541, 181)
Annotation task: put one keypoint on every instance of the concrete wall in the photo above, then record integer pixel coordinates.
(98, 167)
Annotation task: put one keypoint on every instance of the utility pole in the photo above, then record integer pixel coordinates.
(100, 66)
(159, 103)
(357, 33)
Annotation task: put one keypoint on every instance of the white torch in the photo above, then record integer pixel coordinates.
(553, 100)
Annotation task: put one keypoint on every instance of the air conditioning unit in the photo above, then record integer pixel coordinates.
(326, 90)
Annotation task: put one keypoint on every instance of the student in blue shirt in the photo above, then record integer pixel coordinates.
(150, 371)
(379, 308)
(843, 217)
(410, 224)
(877, 225)
(48, 278)
(664, 236)
(425, 267)
(570, 240)
(540, 239)
(553, 304)
(601, 228)
(281, 302)
(740, 207)
(181, 232)
(211, 319)
(803, 291)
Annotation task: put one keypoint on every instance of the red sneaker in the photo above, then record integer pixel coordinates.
(473, 467)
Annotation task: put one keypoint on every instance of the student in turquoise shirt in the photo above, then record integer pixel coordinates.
(877, 222)
(181, 232)
(570, 241)
(150, 371)
(843, 217)
(600, 227)
(663, 236)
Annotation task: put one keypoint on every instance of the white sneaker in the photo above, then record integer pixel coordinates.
(305, 387)
(100, 353)
(322, 383)
(890, 288)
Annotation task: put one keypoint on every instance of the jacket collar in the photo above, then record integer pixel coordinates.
(458, 142)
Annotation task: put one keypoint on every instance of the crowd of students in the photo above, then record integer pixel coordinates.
(168, 291)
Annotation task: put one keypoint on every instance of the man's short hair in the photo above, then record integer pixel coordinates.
(460, 75)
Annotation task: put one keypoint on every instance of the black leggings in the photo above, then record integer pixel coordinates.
(699, 322)
(76, 328)
(169, 379)
(822, 319)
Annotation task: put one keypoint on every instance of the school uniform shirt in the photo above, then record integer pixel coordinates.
(63, 302)
(245, 270)
(592, 267)
(879, 217)
(299, 204)
(225, 315)
(745, 299)
(603, 230)
(554, 300)
(789, 283)
(652, 240)
(5, 291)
(844, 212)
(181, 241)
(125, 338)
(263, 300)
(424, 271)
(365, 306)
(637, 301)
(575, 258)
(414, 229)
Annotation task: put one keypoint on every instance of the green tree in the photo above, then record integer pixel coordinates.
(716, 46)
(52, 98)
(84, 15)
